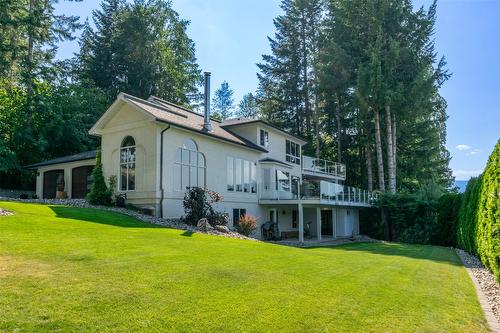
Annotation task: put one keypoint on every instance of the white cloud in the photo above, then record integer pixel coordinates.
(463, 147)
(474, 152)
(466, 174)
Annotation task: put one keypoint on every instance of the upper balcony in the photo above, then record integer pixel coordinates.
(316, 167)
(313, 192)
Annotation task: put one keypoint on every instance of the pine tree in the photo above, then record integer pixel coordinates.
(248, 108)
(223, 102)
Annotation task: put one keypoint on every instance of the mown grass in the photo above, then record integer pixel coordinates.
(83, 270)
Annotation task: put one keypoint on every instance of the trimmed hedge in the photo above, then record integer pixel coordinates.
(467, 221)
(447, 219)
(488, 215)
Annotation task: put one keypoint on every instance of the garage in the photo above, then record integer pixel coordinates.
(50, 179)
(81, 181)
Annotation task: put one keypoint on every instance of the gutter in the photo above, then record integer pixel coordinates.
(161, 169)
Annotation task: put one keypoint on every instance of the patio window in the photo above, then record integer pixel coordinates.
(189, 167)
(241, 175)
(127, 164)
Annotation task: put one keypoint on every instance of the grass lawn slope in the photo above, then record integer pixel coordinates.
(84, 270)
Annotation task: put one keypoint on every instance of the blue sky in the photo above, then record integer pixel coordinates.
(231, 36)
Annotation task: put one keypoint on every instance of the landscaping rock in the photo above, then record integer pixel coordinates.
(486, 280)
(222, 228)
(203, 225)
(4, 212)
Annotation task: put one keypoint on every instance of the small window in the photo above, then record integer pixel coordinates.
(237, 214)
(230, 173)
(282, 181)
(127, 164)
(264, 138)
(294, 218)
(292, 152)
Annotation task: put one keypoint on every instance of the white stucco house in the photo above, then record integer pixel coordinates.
(157, 150)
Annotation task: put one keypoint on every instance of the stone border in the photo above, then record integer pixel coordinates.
(487, 289)
(169, 223)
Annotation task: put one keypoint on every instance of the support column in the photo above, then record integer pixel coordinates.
(301, 222)
(334, 221)
(318, 223)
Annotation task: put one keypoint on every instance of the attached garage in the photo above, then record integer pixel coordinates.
(71, 173)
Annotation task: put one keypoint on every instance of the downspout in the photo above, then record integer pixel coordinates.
(161, 169)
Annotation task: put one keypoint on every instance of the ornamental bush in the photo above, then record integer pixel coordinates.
(247, 224)
(99, 193)
(488, 214)
(198, 204)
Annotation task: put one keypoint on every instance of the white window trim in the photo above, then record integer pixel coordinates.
(180, 165)
(242, 174)
(127, 164)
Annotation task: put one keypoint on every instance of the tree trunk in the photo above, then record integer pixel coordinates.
(316, 126)
(29, 74)
(394, 145)
(378, 149)
(305, 65)
(390, 155)
(369, 172)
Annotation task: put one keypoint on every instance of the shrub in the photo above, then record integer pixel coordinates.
(467, 221)
(488, 215)
(99, 193)
(24, 196)
(447, 219)
(198, 204)
(218, 218)
(247, 224)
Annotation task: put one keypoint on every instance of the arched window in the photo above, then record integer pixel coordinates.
(189, 167)
(127, 164)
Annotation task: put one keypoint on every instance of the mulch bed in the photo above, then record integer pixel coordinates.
(486, 280)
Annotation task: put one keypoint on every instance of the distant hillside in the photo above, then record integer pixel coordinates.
(461, 184)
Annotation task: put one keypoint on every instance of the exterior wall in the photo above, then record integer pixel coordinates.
(216, 153)
(130, 122)
(67, 167)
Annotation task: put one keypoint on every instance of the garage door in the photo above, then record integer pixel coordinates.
(50, 183)
(81, 180)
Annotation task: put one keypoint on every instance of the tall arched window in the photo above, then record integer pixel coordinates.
(127, 164)
(189, 167)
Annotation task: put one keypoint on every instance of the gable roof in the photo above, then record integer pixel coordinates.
(228, 123)
(178, 116)
(86, 155)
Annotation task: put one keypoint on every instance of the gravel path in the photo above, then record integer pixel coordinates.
(170, 223)
(488, 284)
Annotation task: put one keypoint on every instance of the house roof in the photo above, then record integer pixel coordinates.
(86, 155)
(245, 121)
(272, 160)
(169, 113)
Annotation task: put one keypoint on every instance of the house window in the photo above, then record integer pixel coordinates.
(127, 164)
(292, 152)
(189, 167)
(264, 138)
(237, 214)
(230, 173)
(241, 175)
(294, 218)
(282, 181)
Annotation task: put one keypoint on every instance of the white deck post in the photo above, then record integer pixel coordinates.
(318, 222)
(301, 223)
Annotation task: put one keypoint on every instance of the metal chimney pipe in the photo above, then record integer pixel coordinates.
(207, 126)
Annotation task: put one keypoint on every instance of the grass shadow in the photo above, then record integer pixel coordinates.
(187, 233)
(100, 216)
(415, 251)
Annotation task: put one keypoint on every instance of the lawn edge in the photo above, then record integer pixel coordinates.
(493, 323)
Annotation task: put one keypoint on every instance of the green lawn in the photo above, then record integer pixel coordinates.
(78, 270)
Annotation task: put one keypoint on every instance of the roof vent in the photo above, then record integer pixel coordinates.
(207, 125)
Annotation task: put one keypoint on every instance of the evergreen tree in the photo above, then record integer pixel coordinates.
(142, 49)
(223, 102)
(99, 193)
(248, 108)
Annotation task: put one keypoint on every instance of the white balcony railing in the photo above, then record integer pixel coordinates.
(319, 166)
(325, 192)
